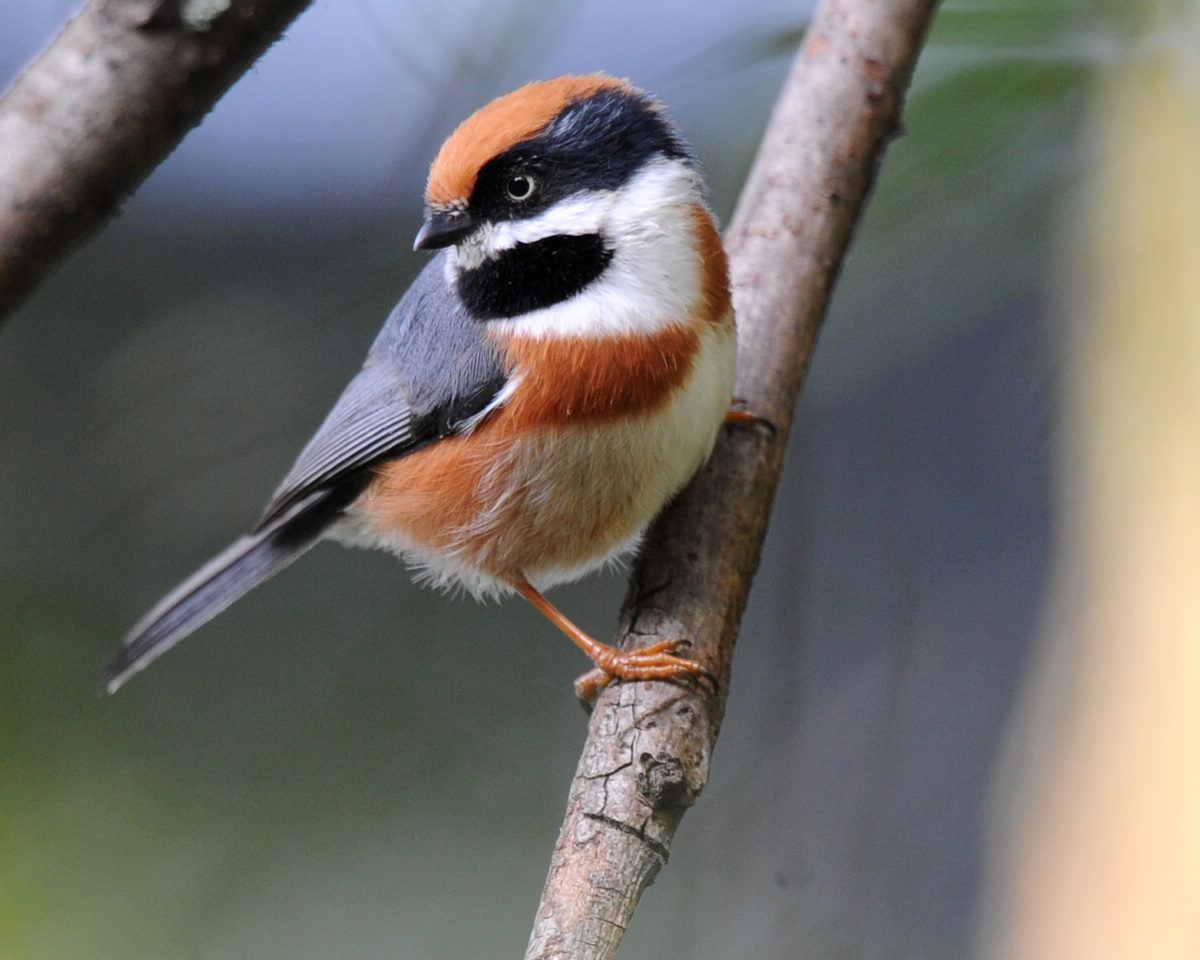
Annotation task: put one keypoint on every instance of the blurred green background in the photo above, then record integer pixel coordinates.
(346, 766)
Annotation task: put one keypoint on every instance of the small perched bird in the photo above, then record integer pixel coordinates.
(551, 379)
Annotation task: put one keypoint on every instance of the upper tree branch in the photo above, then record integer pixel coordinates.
(102, 106)
(648, 748)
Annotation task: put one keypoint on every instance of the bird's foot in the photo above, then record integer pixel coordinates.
(658, 661)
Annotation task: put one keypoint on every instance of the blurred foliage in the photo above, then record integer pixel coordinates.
(963, 212)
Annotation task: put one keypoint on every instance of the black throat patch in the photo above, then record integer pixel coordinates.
(532, 276)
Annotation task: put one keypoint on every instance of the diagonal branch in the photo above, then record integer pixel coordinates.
(649, 744)
(103, 105)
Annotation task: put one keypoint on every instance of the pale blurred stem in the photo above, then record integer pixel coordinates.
(649, 744)
(101, 107)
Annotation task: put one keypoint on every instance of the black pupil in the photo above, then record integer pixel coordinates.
(520, 187)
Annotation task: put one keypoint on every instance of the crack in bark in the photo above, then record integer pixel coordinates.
(659, 848)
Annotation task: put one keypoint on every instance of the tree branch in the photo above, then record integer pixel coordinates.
(649, 744)
(103, 106)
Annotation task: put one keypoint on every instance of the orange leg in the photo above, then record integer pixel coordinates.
(654, 662)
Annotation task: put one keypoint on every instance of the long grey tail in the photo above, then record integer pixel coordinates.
(234, 572)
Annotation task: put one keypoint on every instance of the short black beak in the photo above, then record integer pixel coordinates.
(443, 228)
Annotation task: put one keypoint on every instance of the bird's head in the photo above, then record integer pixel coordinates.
(541, 191)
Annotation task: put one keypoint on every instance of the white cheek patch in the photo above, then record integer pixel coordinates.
(653, 279)
(577, 216)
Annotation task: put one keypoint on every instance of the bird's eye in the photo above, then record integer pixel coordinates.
(520, 186)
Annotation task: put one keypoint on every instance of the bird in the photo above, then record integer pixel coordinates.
(557, 372)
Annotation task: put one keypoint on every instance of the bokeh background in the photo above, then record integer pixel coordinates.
(344, 765)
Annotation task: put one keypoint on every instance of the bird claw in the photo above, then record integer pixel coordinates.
(658, 661)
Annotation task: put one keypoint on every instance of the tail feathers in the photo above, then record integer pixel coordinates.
(224, 579)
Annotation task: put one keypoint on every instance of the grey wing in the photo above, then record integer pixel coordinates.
(429, 371)
(369, 420)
